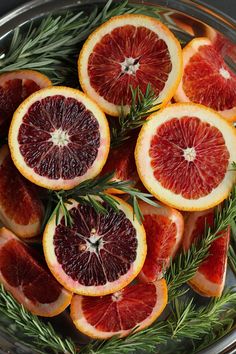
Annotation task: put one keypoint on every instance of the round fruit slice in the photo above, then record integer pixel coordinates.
(21, 210)
(184, 154)
(100, 254)
(207, 79)
(58, 138)
(121, 162)
(27, 280)
(164, 228)
(210, 277)
(15, 86)
(131, 309)
(129, 50)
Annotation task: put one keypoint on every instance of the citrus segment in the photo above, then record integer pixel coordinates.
(164, 228)
(21, 210)
(210, 277)
(184, 154)
(27, 280)
(100, 254)
(134, 307)
(129, 50)
(207, 79)
(59, 138)
(15, 86)
(121, 162)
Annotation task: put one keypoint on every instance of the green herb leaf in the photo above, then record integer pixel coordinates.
(141, 106)
(39, 333)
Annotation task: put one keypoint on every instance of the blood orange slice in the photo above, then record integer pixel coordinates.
(121, 161)
(184, 154)
(164, 228)
(21, 210)
(15, 86)
(27, 280)
(210, 277)
(132, 308)
(129, 50)
(207, 79)
(59, 138)
(100, 254)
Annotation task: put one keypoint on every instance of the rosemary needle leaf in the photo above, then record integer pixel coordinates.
(41, 334)
(141, 105)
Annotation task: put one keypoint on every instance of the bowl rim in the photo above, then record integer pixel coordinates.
(195, 8)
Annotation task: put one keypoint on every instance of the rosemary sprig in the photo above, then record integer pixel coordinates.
(141, 105)
(41, 334)
(93, 192)
(185, 321)
(232, 247)
(52, 46)
(186, 264)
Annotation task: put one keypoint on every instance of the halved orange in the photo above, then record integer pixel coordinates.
(129, 50)
(207, 79)
(209, 279)
(130, 309)
(15, 86)
(58, 138)
(164, 228)
(30, 282)
(21, 209)
(184, 154)
(100, 254)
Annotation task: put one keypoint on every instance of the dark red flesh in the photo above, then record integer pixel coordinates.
(18, 197)
(121, 161)
(214, 266)
(191, 179)
(203, 83)
(12, 93)
(20, 270)
(105, 263)
(141, 44)
(133, 305)
(48, 159)
(161, 239)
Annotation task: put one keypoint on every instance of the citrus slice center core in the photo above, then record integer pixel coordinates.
(224, 73)
(60, 137)
(189, 154)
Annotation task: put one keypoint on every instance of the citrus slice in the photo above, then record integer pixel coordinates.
(207, 79)
(15, 86)
(27, 280)
(58, 138)
(129, 50)
(184, 154)
(130, 309)
(210, 277)
(121, 162)
(21, 210)
(164, 228)
(100, 254)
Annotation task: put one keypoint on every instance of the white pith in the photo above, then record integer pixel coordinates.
(60, 137)
(128, 66)
(109, 287)
(224, 73)
(189, 154)
(144, 164)
(137, 21)
(117, 296)
(190, 50)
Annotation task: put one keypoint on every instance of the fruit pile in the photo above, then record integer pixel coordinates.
(108, 265)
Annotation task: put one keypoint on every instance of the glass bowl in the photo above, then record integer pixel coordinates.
(187, 19)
